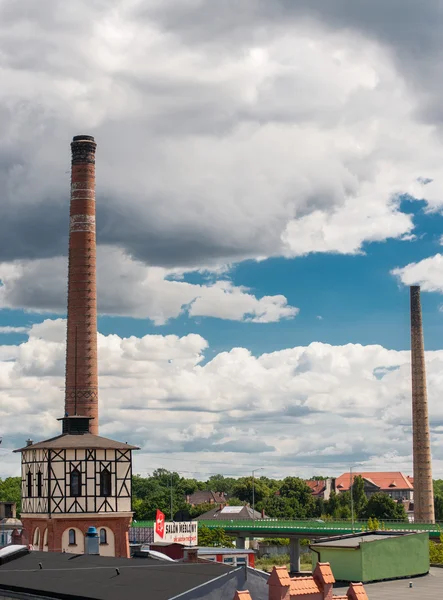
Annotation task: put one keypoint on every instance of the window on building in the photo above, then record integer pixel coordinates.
(241, 560)
(39, 484)
(76, 483)
(72, 541)
(36, 541)
(103, 536)
(228, 560)
(29, 484)
(105, 483)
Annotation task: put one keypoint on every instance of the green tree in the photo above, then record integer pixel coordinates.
(332, 505)
(213, 537)
(438, 507)
(219, 483)
(296, 490)
(275, 507)
(244, 486)
(358, 496)
(10, 491)
(383, 507)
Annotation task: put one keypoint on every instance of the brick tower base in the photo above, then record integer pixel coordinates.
(53, 534)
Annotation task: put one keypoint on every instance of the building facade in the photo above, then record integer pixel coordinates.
(397, 485)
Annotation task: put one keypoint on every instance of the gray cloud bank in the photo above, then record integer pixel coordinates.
(225, 132)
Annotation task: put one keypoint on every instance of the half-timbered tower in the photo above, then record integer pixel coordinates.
(74, 481)
(79, 479)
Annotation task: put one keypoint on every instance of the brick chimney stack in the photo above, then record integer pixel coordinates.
(423, 487)
(81, 348)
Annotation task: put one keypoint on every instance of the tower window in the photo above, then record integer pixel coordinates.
(105, 483)
(103, 536)
(76, 483)
(39, 484)
(29, 484)
(72, 537)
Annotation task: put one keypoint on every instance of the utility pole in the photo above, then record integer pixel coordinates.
(352, 501)
(172, 513)
(253, 490)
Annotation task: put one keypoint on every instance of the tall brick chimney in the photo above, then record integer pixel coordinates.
(81, 396)
(423, 487)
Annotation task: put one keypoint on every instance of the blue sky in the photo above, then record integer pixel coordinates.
(357, 298)
(248, 166)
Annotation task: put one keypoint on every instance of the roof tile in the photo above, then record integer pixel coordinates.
(244, 595)
(301, 586)
(357, 591)
(324, 572)
(279, 576)
(381, 479)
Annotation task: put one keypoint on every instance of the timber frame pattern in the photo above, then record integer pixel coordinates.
(56, 466)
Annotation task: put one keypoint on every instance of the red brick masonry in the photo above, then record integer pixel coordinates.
(81, 349)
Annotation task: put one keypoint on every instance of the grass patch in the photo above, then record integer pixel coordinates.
(267, 564)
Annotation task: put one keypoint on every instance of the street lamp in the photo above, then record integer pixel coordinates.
(253, 490)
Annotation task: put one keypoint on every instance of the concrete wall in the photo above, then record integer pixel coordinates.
(403, 556)
(345, 563)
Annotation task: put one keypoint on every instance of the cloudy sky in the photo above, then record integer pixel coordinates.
(269, 183)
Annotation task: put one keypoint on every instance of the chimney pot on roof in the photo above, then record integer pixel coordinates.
(29, 442)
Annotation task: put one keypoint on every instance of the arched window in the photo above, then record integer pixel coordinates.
(39, 484)
(103, 536)
(105, 483)
(72, 537)
(76, 483)
(36, 540)
(29, 484)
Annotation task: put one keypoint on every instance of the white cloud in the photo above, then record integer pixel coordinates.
(428, 273)
(5, 329)
(352, 403)
(130, 288)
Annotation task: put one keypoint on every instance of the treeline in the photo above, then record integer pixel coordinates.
(289, 498)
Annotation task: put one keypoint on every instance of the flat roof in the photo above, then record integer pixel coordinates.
(426, 587)
(355, 541)
(65, 575)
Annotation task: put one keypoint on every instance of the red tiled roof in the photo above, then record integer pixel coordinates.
(317, 487)
(356, 591)
(279, 576)
(244, 595)
(301, 586)
(323, 571)
(383, 480)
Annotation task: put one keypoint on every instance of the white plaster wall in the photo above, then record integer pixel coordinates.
(109, 548)
(79, 547)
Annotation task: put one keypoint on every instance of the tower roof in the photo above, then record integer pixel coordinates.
(85, 440)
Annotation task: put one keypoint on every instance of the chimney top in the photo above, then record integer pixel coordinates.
(83, 138)
(29, 442)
